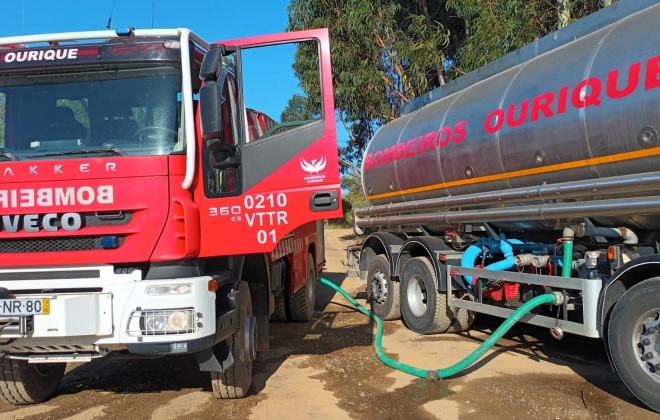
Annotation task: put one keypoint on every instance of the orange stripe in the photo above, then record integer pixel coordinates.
(525, 172)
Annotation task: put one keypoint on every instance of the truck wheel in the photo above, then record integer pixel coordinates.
(383, 292)
(24, 383)
(462, 320)
(279, 315)
(634, 340)
(235, 381)
(424, 309)
(301, 303)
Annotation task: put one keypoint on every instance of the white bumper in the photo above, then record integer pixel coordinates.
(91, 307)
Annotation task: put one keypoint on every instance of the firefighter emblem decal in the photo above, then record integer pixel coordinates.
(316, 166)
(313, 168)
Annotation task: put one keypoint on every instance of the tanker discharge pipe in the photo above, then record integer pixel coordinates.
(455, 369)
(570, 232)
(502, 246)
(629, 237)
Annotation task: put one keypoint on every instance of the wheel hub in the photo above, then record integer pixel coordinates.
(250, 338)
(646, 340)
(417, 296)
(379, 288)
(311, 295)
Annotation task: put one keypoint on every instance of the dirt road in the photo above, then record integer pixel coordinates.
(327, 369)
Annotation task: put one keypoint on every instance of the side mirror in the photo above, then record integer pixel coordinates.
(211, 62)
(223, 155)
(210, 108)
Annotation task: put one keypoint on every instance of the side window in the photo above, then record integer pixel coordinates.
(280, 96)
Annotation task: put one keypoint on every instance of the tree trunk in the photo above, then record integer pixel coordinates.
(564, 12)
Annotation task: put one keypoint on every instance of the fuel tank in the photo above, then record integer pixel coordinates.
(582, 103)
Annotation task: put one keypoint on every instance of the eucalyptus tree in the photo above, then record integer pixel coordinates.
(384, 53)
(493, 28)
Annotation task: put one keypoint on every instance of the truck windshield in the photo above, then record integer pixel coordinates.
(133, 108)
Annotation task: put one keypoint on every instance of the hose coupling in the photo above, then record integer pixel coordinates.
(559, 298)
(433, 374)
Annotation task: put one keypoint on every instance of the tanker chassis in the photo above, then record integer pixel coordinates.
(146, 210)
(535, 174)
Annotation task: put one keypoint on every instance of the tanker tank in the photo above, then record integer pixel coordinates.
(576, 108)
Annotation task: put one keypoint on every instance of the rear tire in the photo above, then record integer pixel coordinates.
(23, 383)
(633, 337)
(279, 315)
(424, 309)
(382, 291)
(235, 381)
(301, 303)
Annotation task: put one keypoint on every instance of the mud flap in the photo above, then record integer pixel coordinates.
(260, 311)
(215, 359)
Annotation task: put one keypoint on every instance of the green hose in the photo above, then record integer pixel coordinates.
(568, 258)
(463, 364)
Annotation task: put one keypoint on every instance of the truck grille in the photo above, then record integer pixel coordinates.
(80, 243)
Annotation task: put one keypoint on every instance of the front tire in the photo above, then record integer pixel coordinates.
(23, 383)
(634, 340)
(383, 292)
(235, 381)
(424, 309)
(301, 303)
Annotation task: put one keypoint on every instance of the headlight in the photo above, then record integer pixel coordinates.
(167, 321)
(179, 320)
(155, 322)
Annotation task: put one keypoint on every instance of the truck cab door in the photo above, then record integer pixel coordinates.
(264, 169)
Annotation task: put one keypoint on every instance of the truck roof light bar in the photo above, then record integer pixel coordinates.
(128, 31)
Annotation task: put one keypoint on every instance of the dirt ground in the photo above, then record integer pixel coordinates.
(328, 369)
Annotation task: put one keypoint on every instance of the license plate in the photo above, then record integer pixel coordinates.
(24, 306)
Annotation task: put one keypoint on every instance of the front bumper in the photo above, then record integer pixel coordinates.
(94, 311)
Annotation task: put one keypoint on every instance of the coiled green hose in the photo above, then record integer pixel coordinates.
(461, 365)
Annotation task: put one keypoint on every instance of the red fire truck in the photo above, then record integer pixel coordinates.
(146, 210)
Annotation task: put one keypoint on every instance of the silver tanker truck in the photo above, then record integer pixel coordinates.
(538, 173)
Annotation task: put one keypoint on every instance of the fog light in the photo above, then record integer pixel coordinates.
(178, 320)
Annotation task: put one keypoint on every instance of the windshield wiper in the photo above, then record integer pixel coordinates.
(110, 150)
(8, 156)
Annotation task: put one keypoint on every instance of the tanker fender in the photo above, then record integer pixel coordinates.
(428, 247)
(379, 243)
(627, 276)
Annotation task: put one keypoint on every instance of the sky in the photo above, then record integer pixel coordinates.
(212, 20)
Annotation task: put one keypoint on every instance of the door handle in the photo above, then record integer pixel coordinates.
(324, 201)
